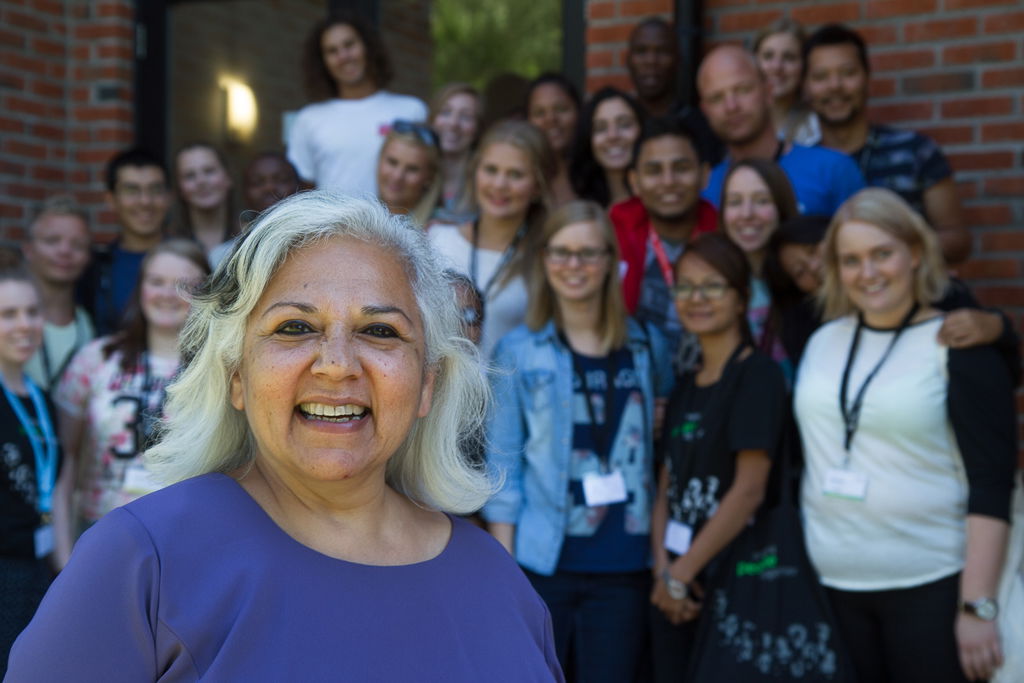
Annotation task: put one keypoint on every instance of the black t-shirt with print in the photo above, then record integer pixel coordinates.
(705, 427)
(19, 487)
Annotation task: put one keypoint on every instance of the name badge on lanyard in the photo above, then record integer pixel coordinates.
(678, 537)
(604, 489)
(840, 483)
(43, 440)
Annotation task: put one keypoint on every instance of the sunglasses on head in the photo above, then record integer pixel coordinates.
(422, 131)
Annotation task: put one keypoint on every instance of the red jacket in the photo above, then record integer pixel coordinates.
(632, 227)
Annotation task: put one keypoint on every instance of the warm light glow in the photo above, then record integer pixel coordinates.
(241, 108)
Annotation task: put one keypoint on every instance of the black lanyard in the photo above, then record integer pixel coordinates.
(506, 256)
(599, 432)
(45, 353)
(851, 414)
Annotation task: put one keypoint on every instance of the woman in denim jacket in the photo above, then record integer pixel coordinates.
(576, 450)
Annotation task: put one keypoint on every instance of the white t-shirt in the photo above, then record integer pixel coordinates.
(910, 528)
(335, 143)
(60, 342)
(505, 303)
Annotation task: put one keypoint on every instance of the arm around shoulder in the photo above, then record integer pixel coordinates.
(982, 411)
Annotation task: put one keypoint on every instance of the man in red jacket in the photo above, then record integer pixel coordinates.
(654, 226)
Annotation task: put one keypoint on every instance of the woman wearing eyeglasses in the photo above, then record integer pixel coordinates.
(408, 181)
(722, 426)
(572, 431)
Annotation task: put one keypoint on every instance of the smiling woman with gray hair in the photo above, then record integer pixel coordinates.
(314, 433)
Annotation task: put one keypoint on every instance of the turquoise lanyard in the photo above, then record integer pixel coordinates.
(44, 445)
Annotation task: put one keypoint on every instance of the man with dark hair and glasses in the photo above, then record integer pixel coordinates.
(138, 194)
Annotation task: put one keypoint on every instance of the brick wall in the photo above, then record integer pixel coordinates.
(609, 23)
(65, 101)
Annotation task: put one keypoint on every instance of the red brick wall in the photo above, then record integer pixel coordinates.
(609, 23)
(65, 101)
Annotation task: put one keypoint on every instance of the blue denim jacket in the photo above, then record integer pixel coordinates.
(530, 431)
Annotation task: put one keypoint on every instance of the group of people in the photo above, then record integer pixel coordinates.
(662, 298)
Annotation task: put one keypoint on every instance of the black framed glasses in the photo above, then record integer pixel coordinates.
(588, 256)
(708, 290)
(422, 131)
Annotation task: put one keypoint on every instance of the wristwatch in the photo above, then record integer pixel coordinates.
(677, 590)
(985, 609)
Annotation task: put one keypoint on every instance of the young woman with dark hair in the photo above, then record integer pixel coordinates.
(722, 426)
(207, 211)
(603, 149)
(756, 198)
(334, 143)
(576, 395)
(111, 396)
(553, 105)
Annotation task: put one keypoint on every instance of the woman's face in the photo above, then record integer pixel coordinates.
(554, 112)
(344, 55)
(165, 282)
(333, 371)
(456, 123)
(804, 265)
(576, 262)
(713, 307)
(778, 55)
(21, 323)
(749, 212)
(615, 131)
(505, 185)
(404, 173)
(876, 270)
(202, 181)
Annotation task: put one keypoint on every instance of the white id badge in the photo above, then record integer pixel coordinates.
(44, 540)
(840, 483)
(138, 481)
(678, 537)
(604, 489)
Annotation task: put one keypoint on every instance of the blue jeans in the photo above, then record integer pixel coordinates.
(600, 622)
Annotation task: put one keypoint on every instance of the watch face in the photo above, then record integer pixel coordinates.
(986, 609)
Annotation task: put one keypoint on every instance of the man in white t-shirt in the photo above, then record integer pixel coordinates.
(334, 143)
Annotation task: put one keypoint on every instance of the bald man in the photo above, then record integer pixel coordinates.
(736, 99)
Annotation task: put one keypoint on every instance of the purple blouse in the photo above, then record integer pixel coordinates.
(197, 582)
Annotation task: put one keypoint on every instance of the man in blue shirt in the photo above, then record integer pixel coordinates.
(737, 102)
(908, 163)
(137, 193)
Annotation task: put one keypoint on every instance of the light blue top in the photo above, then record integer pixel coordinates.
(530, 431)
(822, 179)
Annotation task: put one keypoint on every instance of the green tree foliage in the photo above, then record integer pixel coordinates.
(475, 40)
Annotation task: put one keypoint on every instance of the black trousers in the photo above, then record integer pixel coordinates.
(901, 636)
